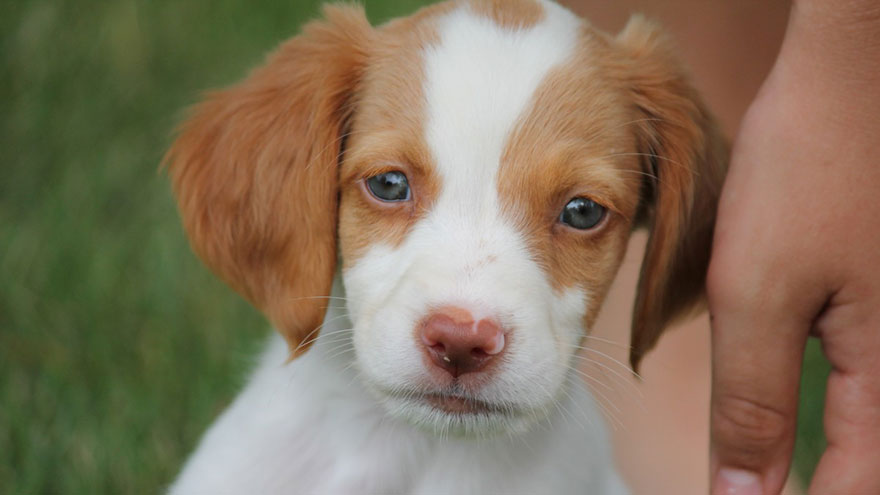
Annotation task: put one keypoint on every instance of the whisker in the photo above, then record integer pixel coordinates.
(613, 360)
(337, 339)
(613, 418)
(571, 400)
(590, 377)
(345, 349)
(651, 155)
(600, 401)
(610, 358)
(627, 390)
(604, 403)
(608, 341)
(308, 340)
(627, 382)
(334, 332)
(336, 142)
(329, 345)
(594, 390)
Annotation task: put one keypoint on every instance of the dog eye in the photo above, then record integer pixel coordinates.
(582, 213)
(390, 186)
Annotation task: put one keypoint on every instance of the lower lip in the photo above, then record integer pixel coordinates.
(458, 405)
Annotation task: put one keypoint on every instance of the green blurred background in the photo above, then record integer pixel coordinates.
(117, 347)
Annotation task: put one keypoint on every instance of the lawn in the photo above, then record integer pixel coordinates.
(117, 347)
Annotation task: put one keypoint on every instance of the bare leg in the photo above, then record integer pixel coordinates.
(662, 446)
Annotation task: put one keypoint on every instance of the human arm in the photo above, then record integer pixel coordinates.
(797, 253)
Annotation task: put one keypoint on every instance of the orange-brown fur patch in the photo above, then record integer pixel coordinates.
(596, 128)
(388, 134)
(574, 142)
(255, 171)
(510, 14)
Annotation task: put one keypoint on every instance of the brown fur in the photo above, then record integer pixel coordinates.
(255, 171)
(573, 142)
(388, 135)
(687, 152)
(510, 14)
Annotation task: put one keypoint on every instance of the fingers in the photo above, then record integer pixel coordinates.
(757, 346)
(851, 463)
(852, 422)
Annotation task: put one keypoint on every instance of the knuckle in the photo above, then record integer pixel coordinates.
(736, 285)
(748, 429)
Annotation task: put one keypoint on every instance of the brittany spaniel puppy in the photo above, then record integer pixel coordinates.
(430, 213)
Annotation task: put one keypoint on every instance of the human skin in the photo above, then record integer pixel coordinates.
(797, 253)
(661, 429)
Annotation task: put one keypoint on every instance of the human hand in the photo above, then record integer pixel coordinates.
(797, 253)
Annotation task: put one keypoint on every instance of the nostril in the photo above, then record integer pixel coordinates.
(479, 353)
(429, 339)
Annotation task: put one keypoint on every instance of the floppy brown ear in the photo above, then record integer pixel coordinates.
(255, 168)
(684, 150)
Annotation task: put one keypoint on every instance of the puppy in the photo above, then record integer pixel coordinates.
(436, 208)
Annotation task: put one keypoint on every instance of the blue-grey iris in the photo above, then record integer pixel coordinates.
(390, 186)
(582, 213)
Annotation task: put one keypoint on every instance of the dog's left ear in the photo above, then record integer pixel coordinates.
(684, 151)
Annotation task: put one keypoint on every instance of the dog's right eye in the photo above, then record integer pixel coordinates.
(390, 186)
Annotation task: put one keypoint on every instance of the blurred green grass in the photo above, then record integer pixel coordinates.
(117, 347)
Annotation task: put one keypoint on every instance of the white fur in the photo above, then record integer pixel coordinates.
(342, 419)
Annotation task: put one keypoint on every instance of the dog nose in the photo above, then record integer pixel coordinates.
(458, 344)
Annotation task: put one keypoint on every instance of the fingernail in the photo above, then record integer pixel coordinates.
(737, 482)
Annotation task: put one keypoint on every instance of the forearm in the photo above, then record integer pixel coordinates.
(847, 14)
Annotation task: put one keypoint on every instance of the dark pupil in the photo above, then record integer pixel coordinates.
(582, 213)
(390, 186)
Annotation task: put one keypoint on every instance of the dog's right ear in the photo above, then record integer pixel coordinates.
(255, 169)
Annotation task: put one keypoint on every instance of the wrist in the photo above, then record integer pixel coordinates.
(831, 57)
(842, 35)
(845, 13)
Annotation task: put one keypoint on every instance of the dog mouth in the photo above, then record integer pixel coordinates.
(461, 405)
(454, 403)
(453, 411)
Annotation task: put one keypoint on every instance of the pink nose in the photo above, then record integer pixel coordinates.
(456, 343)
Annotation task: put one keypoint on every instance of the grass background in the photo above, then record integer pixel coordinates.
(117, 347)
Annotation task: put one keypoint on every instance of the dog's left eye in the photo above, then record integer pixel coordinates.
(582, 213)
(390, 186)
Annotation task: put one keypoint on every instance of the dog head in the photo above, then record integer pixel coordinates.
(478, 168)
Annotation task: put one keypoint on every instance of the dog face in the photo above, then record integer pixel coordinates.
(478, 168)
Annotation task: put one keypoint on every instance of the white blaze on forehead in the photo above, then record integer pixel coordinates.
(480, 78)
